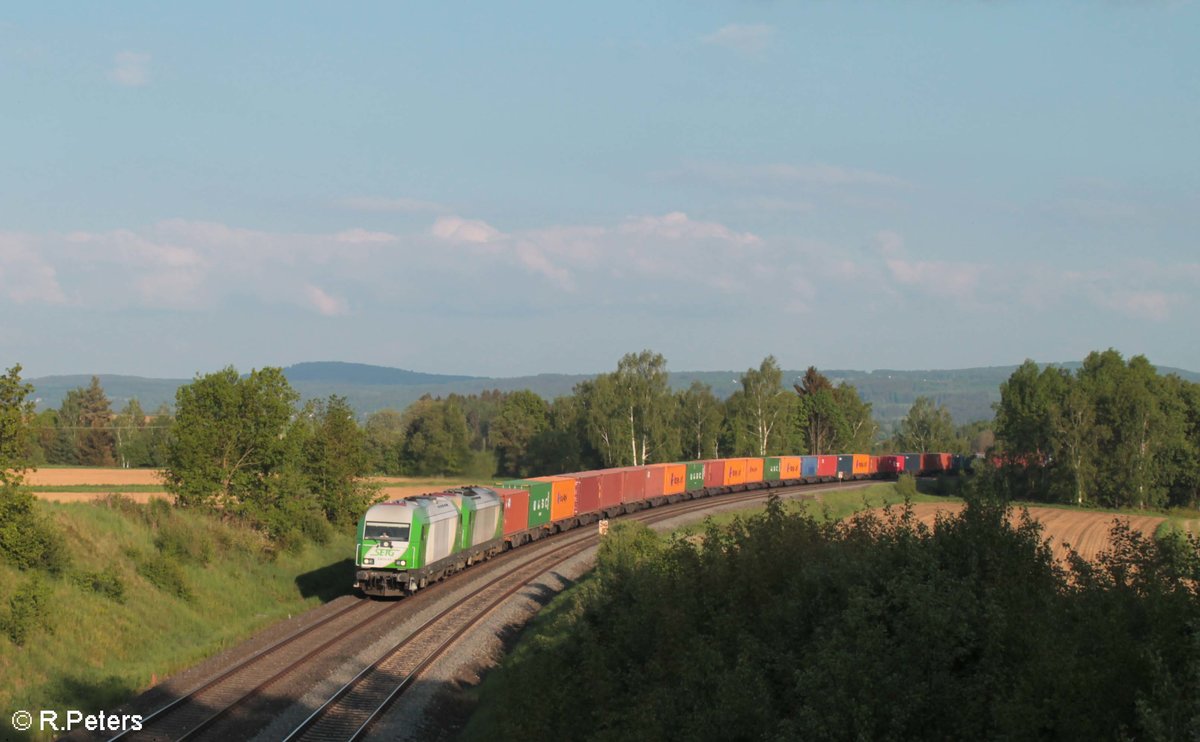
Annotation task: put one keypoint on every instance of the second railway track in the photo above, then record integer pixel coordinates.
(224, 707)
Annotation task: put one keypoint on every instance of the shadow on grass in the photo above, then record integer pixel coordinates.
(328, 582)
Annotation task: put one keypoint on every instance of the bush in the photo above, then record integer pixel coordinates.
(179, 541)
(28, 610)
(906, 486)
(785, 627)
(28, 540)
(163, 572)
(106, 583)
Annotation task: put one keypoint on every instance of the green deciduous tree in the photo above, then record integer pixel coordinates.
(699, 420)
(15, 410)
(230, 447)
(927, 427)
(523, 416)
(336, 460)
(436, 440)
(763, 407)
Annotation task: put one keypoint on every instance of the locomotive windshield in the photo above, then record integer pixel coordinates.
(386, 532)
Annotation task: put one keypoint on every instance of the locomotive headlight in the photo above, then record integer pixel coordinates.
(402, 562)
(368, 561)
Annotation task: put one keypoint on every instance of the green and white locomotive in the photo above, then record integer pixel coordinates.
(404, 545)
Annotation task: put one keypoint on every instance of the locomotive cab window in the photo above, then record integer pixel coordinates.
(386, 531)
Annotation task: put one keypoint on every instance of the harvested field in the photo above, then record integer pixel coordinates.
(1084, 531)
(72, 477)
(78, 476)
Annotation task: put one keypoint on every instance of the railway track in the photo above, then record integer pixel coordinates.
(209, 710)
(352, 711)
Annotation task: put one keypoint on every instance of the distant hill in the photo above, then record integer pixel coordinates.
(362, 373)
(968, 393)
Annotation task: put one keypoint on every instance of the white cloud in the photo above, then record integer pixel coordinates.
(456, 229)
(744, 38)
(359, 236)
(25, 277)
(402, 205)
(677, 226)
(130, 69)
(1152, 305)
(324, 303)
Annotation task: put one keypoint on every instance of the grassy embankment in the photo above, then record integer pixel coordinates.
(150, 590)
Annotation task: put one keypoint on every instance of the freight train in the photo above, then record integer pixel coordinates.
(404, 545)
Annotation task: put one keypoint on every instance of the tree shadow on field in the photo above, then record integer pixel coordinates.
(328, 582)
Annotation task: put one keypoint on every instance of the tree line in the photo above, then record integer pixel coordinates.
(629, 416)
(1112, 433)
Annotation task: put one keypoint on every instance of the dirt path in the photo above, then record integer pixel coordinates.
(1084, 531)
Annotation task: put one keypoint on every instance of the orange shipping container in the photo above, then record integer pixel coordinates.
(562, 496)
(789, 467)
(862, 464)
(735, 471)
(674, 478)
(754, 470)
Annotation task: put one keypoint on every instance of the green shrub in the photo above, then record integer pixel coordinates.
(906, 486)
(183, 542)
(28, 540)
(106, 583)
(27, 610)
(163, 572)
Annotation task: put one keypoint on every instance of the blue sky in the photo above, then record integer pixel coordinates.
(502, 189)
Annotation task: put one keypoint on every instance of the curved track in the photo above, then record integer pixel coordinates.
(223, 707)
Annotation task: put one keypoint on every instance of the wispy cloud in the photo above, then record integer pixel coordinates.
(359, 236)
(393, 205)
(744, 38)
(457, 229)
(130, 69)
(325, 303)
(677, 226)
(25, 276)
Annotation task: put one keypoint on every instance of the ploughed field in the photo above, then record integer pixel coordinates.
(81, 484)
(1084, 531)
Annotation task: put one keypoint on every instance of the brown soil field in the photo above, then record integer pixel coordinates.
(75, 477)
(392, 487)
(1085, 532)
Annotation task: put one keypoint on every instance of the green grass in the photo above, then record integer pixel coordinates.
(97, 651)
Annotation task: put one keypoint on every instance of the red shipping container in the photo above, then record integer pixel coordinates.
(587, 494)
(891, 464)
(874, 465)
(612, 485)
(516, 510)
(933, 462)
(714, 473)
(633, 484)
(656, 475)
(827, 466)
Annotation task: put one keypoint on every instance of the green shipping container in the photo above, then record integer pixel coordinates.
(771, 469)
(694, 479)
(539, 499)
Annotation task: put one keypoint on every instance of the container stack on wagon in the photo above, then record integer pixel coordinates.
(405, 544)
